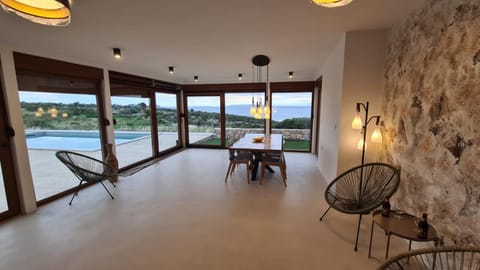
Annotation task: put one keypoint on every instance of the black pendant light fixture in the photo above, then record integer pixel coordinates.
(171, 69)
(195, 78)
(259, 109)
(47, 12)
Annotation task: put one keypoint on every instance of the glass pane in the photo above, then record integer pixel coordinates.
(55, 122)
(292, 117)
(167, 121)
(3, 194)
(204, 120)
(238, 118)
(133, 137)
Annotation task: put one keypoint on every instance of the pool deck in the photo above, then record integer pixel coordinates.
(50, 176)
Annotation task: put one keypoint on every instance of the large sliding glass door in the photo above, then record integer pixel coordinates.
(56, 121)
(238, 120)
(133, 127)
(204, 120)
(167, 121)
(292, 117)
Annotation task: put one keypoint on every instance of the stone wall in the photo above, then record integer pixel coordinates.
(432, 116)
(292, 134)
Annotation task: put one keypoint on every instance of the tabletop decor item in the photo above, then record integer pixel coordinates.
(386, 207)
(423, 227)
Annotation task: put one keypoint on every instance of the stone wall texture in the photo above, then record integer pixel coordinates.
(432, 116)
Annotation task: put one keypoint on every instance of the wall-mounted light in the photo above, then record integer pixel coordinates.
(290, 74)
(47, 12)
(195, 78)
(117, 53)
(171, 70)
(332, 3)
(240, 76)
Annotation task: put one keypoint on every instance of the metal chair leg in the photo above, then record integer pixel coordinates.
(107, 190)
(76, 192)
(325, 213)
(358, 232)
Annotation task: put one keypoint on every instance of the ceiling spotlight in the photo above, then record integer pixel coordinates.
(332, 3)
(195, 78)
(290, 74)
(171, 70)
(240, 76)
(47, 12)
(117, 53)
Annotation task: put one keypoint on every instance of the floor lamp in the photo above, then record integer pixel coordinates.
(357, 123)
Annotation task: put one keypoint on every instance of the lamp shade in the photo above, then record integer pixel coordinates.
(377, 136)
(48, 12)
(357, 122)
(332, 3)
(360, 144)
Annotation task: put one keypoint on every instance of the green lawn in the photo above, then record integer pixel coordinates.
(295, 145)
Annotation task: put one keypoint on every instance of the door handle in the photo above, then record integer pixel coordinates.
(10, 132)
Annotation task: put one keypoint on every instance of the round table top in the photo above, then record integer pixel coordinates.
(403, 225)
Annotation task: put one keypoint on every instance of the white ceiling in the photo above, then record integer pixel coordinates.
(214, 39)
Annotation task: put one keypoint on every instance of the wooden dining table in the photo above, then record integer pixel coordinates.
(270, 143)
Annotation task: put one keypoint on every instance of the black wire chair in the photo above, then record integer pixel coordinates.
(86, 169)
(362, 189)
(439, 258)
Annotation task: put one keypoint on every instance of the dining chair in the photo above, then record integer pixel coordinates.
(238, 157)
(274, 158)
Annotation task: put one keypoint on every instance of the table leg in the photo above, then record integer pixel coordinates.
(409, 245)
(370, 245)
(388, 245)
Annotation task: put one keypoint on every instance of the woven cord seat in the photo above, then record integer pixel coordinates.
(362, 189)
(86, 169)
(439, 258)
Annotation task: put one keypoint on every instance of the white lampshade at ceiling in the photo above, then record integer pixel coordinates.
(48, 12)
(332, 3)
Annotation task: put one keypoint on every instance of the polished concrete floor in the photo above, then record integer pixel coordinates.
(179, 214)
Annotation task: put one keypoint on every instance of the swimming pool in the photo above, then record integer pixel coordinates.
(75, 140)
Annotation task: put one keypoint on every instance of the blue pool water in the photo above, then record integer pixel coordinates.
(75, 141)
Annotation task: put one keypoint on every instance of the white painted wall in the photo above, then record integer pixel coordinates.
(331, 106)
(362, 81)
(352, 73)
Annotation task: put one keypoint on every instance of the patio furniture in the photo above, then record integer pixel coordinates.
(274, 158)
(438, 258)
(238, 157)
(86, 169)
(361, 189)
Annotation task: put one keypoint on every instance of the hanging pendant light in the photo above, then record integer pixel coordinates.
(332, 3)
(47, 12)
(260, 110)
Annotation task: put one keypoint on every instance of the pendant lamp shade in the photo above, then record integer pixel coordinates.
(47, 12)
(332, 3)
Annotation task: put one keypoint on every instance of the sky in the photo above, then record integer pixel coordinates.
(169, 100)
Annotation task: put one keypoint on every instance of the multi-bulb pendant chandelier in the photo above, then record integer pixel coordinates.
(332, 3)
(259, 109)
(48, 12)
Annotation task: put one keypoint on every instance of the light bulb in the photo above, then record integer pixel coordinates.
(377, 136)
(357, 122)
(360, 145)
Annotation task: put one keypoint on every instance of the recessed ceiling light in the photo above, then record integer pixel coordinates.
(332, 3)
(195, 78)
(117, 53)
(290, 74)
(47, 12)
(240, 76)
(171, 70)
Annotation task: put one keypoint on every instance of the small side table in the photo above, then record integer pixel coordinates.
(402, 225)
